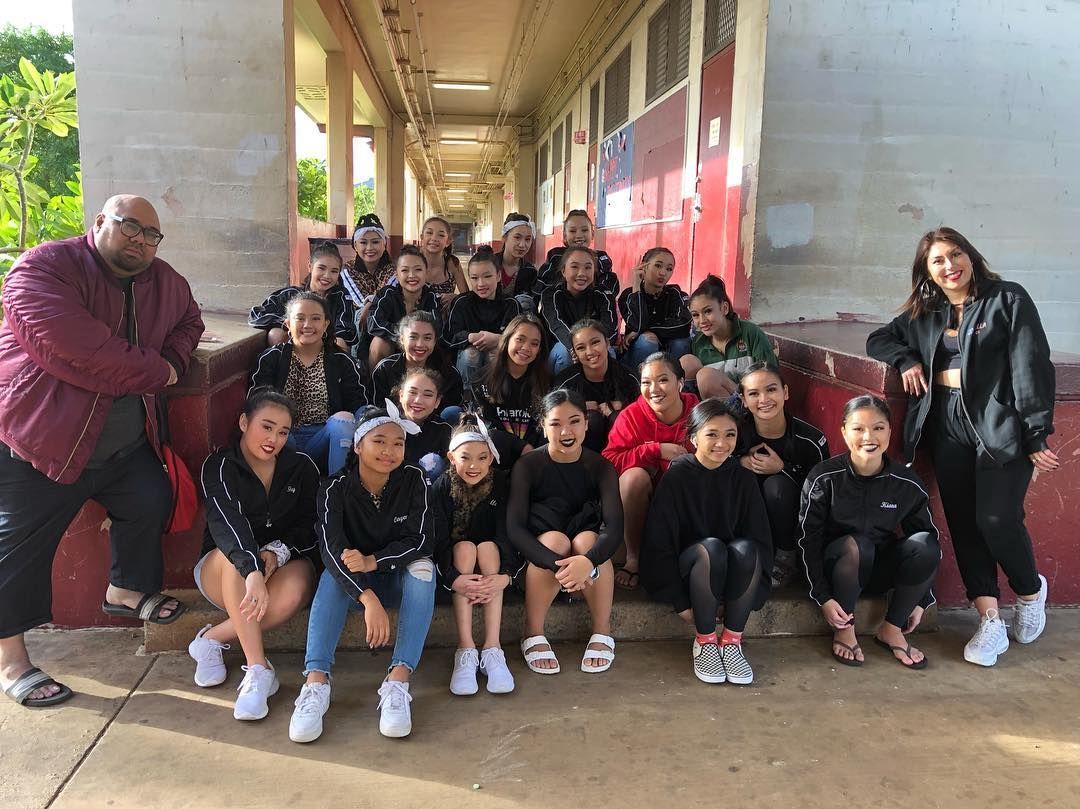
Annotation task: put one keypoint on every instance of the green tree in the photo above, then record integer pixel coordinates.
(42, 101)
(311, 188)
(363, 200)
(56, 156)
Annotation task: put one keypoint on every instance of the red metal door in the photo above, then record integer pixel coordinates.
(716, 230)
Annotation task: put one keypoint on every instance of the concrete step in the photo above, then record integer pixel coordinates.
(634, 617)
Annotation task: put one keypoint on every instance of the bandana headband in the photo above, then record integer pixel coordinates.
(361, 231)
(513, 223)
(393, 416)
(480, 434)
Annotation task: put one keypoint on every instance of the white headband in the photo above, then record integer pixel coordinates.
(480, 434)
(361, 231)
(392, 417)
(513, 223)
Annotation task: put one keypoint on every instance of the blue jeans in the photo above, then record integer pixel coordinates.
(328, 444)
(433, 464)
(470, 365)
(412, 588)
(643, 346)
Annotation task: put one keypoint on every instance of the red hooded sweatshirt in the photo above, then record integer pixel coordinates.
(637, 434)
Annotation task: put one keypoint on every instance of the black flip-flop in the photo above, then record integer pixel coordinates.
(852, 661)
(31, 681)
(906, 650)
(634, 578)
(147, 609)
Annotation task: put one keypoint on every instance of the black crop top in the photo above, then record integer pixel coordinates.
(947, 356)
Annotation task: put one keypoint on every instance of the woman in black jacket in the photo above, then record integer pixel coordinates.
(574, 298)
(974, 359)
(258, 547)
(853, 507)
(707, 543)
(375, 534)
(323, 383)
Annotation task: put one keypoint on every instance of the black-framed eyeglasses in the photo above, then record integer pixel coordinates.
(131, 229)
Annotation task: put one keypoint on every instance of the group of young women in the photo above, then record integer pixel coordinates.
(356, 491)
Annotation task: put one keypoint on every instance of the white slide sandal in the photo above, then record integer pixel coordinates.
(601, 654)
(532, 657)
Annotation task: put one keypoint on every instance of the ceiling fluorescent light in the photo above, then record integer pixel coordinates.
(460, 85)
(458, 174)
(458, 141)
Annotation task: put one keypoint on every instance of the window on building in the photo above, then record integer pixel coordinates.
(569, 134)
(617, 92)
(719, 25)
(594, 112)
(668, 60)
(543, 161)
(556, 149)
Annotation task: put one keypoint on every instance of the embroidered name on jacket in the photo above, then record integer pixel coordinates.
(885, 504)
(404, 517)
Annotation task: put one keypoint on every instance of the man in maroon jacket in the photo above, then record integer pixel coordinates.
(93, 328)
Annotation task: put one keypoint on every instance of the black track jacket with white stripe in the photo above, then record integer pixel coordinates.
(560, 311)
(399, 531)
(241, 517)
(470, 313)
(388, 307)
(802, 446)
(837, 502)
(345, 388)
(271, 313)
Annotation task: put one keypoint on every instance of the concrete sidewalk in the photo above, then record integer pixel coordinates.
(807, 734)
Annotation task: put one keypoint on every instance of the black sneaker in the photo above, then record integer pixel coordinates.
(736, 665)
(708, 666)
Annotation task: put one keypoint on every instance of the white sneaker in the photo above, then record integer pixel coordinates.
(990, 640)
(209, 665)
(259, 684)
(463, 680)
(493, 664)
(311, 705)
(708, 666)
(736, 666)
(1029, 617)
(395, 717)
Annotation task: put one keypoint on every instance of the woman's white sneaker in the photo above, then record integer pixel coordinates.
(708, 667)
(463, 680)
(1029, 617)
(395, 716)
(493, 664)
(209, 664)
(311, 705)
(259, 684)
(990, 640)
(736, 666)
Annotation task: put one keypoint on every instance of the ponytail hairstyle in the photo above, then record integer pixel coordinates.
(325, 249)
(561, 396)
(704, 412)
(866, 402)
(328, 336)
(653, 252)
(577, 213)
(664, 358)
(266, 396)
(713, 287)
(760, 366)
(437, 359)
(588, 323)
(925, 294)
(537, 377)
(569, 251)
(410, 250)
(483, 253)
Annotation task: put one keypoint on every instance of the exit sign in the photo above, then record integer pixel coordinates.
(579, 136)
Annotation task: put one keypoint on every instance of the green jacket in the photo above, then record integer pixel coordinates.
(748, 345)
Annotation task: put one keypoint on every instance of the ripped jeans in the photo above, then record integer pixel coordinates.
(412, 588)
(328, 444)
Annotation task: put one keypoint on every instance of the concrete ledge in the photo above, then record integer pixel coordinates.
(634, 618)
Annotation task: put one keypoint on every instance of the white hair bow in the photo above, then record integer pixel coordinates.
(481, 434)
(393, 416)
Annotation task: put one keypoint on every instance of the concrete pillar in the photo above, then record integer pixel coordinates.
(339, 139)
(496, 213)
(525, 180)
(390, 180)
(195, 113)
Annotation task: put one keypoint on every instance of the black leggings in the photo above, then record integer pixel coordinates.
(855, 565)
(716, 571)
(984, 504)
(781, 495)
